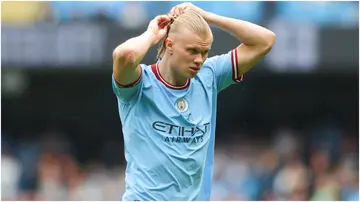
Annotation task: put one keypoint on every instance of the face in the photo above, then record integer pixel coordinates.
(188, 52)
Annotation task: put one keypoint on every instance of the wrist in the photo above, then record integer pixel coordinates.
(208, 17)
(150, 36)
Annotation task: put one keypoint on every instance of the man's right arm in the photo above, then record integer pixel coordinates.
(127, 58)
(128, 55)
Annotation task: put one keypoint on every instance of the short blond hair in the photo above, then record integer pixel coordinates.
(191, 20)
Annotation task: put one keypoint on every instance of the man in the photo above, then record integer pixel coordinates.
(168, 109)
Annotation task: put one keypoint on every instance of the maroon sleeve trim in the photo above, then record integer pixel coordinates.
(131, 84)
(235, 67)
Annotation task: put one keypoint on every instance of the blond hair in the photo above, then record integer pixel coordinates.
(191, 20)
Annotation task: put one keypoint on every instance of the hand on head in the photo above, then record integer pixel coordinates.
(160, 24)
(159, 27)
(182, 8)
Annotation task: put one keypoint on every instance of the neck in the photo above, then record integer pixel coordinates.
(168, 74)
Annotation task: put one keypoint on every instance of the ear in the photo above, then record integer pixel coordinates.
(169, 44)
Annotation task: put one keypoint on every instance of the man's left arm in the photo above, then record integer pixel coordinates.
(256, 41)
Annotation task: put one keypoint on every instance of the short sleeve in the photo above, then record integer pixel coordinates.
(225, 68)
(126, 94)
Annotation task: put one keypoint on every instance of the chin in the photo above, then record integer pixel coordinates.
(190, 76)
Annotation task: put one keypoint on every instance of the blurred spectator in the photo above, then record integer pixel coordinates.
(291, 182)
(267, 166)
(244, 170)
(28, 153)
(10, 170)
(287, 144)
(326, 188)
(51, 179)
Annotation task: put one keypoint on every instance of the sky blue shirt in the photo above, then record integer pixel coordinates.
(169, 131)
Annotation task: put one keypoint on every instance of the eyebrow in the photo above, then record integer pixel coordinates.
(199, 49)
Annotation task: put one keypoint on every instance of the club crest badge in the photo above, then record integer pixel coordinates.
(182, 105)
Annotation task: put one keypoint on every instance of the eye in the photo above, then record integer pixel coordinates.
(193, 51)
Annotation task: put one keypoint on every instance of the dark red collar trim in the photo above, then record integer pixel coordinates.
(156, 71)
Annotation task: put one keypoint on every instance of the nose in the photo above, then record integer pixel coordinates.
(198, 59)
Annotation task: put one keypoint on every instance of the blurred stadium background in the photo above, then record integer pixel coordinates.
(289, 132)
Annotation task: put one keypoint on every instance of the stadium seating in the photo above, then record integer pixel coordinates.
(22, 12)
(323, 14)
(250, 10)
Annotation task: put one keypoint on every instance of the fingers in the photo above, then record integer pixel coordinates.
(179, 9)
(187, 8)
(172, 11)
(163, 24)
(162, 20)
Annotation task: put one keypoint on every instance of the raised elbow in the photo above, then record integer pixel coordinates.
(267, 42)
(270, 40)
(124, 54)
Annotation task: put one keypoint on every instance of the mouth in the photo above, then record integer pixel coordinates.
(195, 69)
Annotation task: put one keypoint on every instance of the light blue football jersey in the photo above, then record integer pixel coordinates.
(169, 131)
